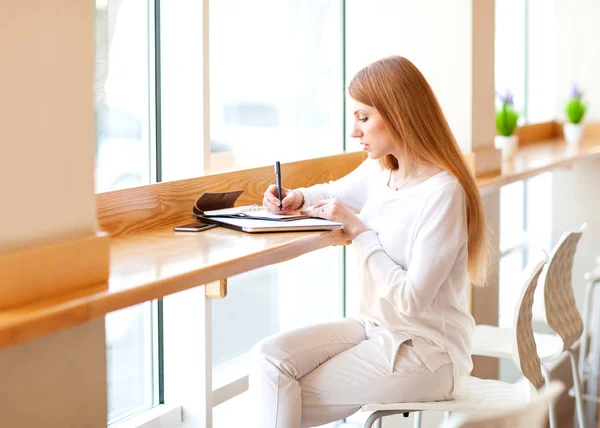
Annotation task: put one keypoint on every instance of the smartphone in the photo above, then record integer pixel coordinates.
(194, 227)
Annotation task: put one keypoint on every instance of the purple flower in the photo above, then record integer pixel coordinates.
(506, 98)
(576, 92)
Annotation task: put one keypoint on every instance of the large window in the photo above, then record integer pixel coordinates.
(510, 50)
(513, 243)
(524, 64)
(276, 84)
(541, 26)
(276, 93)
(122, 90)
(524, 56)
(131, 366)
(124, 132)
(180, 89)
(268, 301)
(525, 229)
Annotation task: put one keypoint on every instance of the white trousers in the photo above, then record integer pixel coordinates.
(323, 373)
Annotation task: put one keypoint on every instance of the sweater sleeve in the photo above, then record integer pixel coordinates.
(441, 233)
(351, 189)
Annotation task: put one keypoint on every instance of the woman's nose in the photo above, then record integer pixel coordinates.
(356, 133)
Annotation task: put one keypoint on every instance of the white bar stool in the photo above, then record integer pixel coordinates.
(561, 315)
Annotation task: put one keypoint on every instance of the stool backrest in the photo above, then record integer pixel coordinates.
(561, 312)
(525, 353)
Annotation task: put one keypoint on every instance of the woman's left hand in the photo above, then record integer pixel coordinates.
(335, 210)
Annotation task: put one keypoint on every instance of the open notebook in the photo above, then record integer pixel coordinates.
(251, 211)
(217, 208)
(253, 225)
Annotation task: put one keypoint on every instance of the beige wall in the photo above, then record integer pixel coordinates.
(47, 139)
(57, 381)
(47, 146)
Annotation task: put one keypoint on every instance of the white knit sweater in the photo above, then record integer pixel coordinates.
(413, 259)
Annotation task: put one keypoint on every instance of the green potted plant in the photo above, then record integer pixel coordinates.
(575, 110)
(506, 123)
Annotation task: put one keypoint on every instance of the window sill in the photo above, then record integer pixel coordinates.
(161, 416)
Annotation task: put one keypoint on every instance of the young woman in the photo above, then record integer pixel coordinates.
(417, 223)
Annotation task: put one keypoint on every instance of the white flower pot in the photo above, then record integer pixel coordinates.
(573, 133)
(507, 145)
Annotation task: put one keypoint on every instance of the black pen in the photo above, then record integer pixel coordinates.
(278, 178)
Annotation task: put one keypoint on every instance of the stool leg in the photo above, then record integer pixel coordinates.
(551, 415)
(417, 420)
(587, 302)
(374, 418)
(592, 357)
(577, 387)
(583, 341)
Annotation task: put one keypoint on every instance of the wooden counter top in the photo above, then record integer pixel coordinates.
(536, 158)
(148, 264)
(151, 264)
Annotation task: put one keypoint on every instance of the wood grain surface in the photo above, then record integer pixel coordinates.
(536, 132)
(157, 205)
(152, 264)
(40, 272)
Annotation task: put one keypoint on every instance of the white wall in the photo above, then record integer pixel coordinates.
(437, 36)
(577, 53)
(576, 199)
(576, 191)
(47, 139)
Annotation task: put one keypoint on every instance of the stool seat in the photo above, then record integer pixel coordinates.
(477, 396)
(594, 274)
(496, 342)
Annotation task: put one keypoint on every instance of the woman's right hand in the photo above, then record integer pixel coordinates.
(292, 200)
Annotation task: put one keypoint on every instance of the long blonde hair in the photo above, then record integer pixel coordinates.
(414, 118)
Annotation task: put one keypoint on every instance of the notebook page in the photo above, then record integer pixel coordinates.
(233, 210)
(269, 215)
(252, 211)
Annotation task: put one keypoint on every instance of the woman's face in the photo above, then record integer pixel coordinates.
(370, 129)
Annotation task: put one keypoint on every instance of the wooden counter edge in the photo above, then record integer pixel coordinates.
(37, 273)
(27, 322)
(493, 182)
